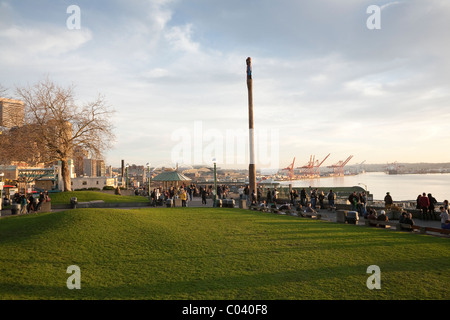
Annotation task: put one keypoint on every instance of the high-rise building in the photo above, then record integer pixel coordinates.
(101, 169)
(78, 158)
(12, 113)
(90, 167)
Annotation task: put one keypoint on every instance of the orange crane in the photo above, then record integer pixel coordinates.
(290, 170)
(311, 169)
(317, 166)
(338, 167)
(306, 171)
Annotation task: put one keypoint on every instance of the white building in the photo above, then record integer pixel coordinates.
(93, 182)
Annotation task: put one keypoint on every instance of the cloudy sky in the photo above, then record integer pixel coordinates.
(174, 72)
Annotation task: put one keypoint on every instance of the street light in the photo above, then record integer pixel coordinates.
(1, 191)
(367, 195)
(365, 185)
(215, 183)
(149, 179)
(126, 181)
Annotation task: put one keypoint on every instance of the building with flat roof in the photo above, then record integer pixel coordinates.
(12, 113)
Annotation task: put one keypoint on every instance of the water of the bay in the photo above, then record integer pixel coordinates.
(402, 187)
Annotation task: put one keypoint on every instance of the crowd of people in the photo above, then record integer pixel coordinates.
(186, 193)
(426, 203)
(29, 203)
(308, 201)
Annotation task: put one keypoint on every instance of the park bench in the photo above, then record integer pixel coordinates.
(436, 230)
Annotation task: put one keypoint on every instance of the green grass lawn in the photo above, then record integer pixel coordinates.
(86, 196)
(212, 254)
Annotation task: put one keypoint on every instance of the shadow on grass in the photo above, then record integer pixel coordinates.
(348, 281)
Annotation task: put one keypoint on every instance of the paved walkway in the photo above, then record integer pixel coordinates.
(326, 215)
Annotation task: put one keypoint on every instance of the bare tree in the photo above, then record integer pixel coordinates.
(18, 145)
(60, 124)
(3, 91)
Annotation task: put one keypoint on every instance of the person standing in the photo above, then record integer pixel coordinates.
(388, 200)
(353, 199)
(203, 192)
(296, 197)
(424, 203)
(331, 197)
(183, 197)
(241, 192)
(363, 201)
(30, 206)
(41, 201)
(219, 192)
(313, 196)
(247, 193)
(303, 197)
(291, 196)
(275, 195)
(431, 206)
(24, 204)
(321, 198)
(269, 196)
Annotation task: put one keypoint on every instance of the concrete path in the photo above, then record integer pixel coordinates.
(197, 203)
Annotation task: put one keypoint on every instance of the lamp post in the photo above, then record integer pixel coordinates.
(367, 195)
(215, 183)
(251, 167)
(149, 178)
(365, 186)
(126, 181)
(1, 191)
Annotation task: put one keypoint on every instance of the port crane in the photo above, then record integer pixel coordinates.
(290, 170)
(338, 167)
(311, 169)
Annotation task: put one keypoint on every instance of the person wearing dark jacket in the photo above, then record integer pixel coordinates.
(269, 196)
(424, 203)
(382, 217)
(431, 207)
(388, 200)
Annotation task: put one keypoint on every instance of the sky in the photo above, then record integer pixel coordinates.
(329, 77)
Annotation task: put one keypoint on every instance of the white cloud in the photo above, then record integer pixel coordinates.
(22, 42)
(320, 76)
(180, 38)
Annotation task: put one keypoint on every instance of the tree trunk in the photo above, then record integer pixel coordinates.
(65, 173)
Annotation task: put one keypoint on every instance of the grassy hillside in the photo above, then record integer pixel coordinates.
(206, 253)
(86, 196)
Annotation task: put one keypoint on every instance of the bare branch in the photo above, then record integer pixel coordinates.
(60, 125)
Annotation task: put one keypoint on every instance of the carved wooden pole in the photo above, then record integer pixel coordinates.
(251, 168)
